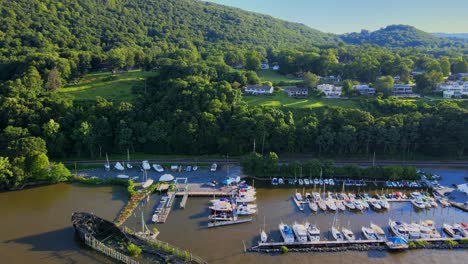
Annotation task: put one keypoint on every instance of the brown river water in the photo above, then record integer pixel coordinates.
(35, 227)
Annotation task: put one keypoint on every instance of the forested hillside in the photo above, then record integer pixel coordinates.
(72, 35)
(395, 36)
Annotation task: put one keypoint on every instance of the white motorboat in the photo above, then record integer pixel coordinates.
(418, 203)
(118, 166)
(337, 235)
(158, 168)
(375, 204)
(330, 204)
(316, 181)
(321, 182)
(313, 206)
(298, 196)
(147, 183)
(245, 198)
(308, 197)
(195, 168)
(280, 181)
(384, 203)
(221, 207)
(221, 217)
(325, 181)
(428, 229)
(220, 200)
(349, 204)
(306, 181)
(344, 196)
(340, 205)
(416, 195)
(214, 167)
(378, 231)
(246, 209)
(122, 176)
(274, 181)
(300, 231)
(399, 229)
(358, 205)
(322, 205)
(369, 233)
(444, 202)
(286, 233)
(316, 196)
(331, 182)
(348, 234)
(313, 232)
(454, 231)
(145, 165)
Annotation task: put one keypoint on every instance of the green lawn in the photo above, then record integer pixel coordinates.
(118, 88)
(280, 98)
(274, 76)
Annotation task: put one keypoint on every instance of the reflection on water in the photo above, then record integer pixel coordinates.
(35, 224)
(187, 228)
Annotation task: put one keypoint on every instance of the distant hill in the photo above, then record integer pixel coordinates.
(399, 36)
(454, 36)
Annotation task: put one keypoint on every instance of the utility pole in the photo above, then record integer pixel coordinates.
(373, 160)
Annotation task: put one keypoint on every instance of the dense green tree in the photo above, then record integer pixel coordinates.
(384, 84)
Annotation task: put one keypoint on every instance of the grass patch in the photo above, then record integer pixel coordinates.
(116, 87)
(274, 76)
(281, 99)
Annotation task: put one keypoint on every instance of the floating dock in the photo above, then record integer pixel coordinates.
(162, 216)
(233, 222)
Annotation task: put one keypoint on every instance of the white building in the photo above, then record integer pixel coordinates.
(454, 89)
(258, 89)
(265, 66)
(330, 90)
(364, 89)
(276, 67)
(404, 90)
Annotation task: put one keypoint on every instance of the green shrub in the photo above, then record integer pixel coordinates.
(451, 243)
(412, 244)
(133, 250)
(464, 241)
(284, 250)
(421, 243)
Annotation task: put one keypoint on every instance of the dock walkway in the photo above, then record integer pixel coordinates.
(162, 216)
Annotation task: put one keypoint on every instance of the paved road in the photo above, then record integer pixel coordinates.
(417, 163)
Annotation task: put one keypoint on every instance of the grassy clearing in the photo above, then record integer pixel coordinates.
(281, 99)
(274, 76)
(116, 87)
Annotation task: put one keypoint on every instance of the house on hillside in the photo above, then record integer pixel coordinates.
(404, 90)
(298, 92)
(331, 78)
(454, 89)
(276, 67)
(330, 90)
(417, 72)
(364, 89)
(258, 89)
(396, 78)
(265, 66)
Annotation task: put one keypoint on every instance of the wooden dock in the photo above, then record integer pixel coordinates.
(162, 216)
(204, 193)
(233, 222)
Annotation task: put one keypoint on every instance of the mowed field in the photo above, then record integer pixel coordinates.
(117, 87)
(281, 99)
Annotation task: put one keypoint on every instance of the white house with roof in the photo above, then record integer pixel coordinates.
(454, 89)
(258, 89)
(330, 90)
(404, 90)
(364, 89)
(276, 67)
(265, 66)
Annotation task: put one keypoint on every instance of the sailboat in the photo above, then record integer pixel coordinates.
(348, 234)
(263, 234)
(107, 165)
(129, 166)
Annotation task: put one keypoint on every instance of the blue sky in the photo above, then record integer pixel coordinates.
(341, 16)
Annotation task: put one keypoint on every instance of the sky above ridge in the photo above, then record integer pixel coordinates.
(342, 16)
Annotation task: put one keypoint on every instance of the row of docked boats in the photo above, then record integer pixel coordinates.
(425, 201)
(302, 181)
(307, 232)
(240, 204)
(341, 201)
(426, 229)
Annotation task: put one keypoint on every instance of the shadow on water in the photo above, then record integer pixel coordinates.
(58, 244)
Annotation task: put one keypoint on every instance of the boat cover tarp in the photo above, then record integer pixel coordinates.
(118, 166)
(166, 178)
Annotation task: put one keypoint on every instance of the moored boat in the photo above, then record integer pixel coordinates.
(349, 204)
(286, 233)
(280, 181)
(369, 233)
(399, 229)
(300, 231)
(418, 203)
(375, 204)
(330, 204)
(322, 205)
(274, 181)
(337, 235)
(298, 196)
(313, 232)
(379, 232)
(397, 243)
(348, 234)
(340, 205)
(358, 205)
(454, 231)
(313, 206)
